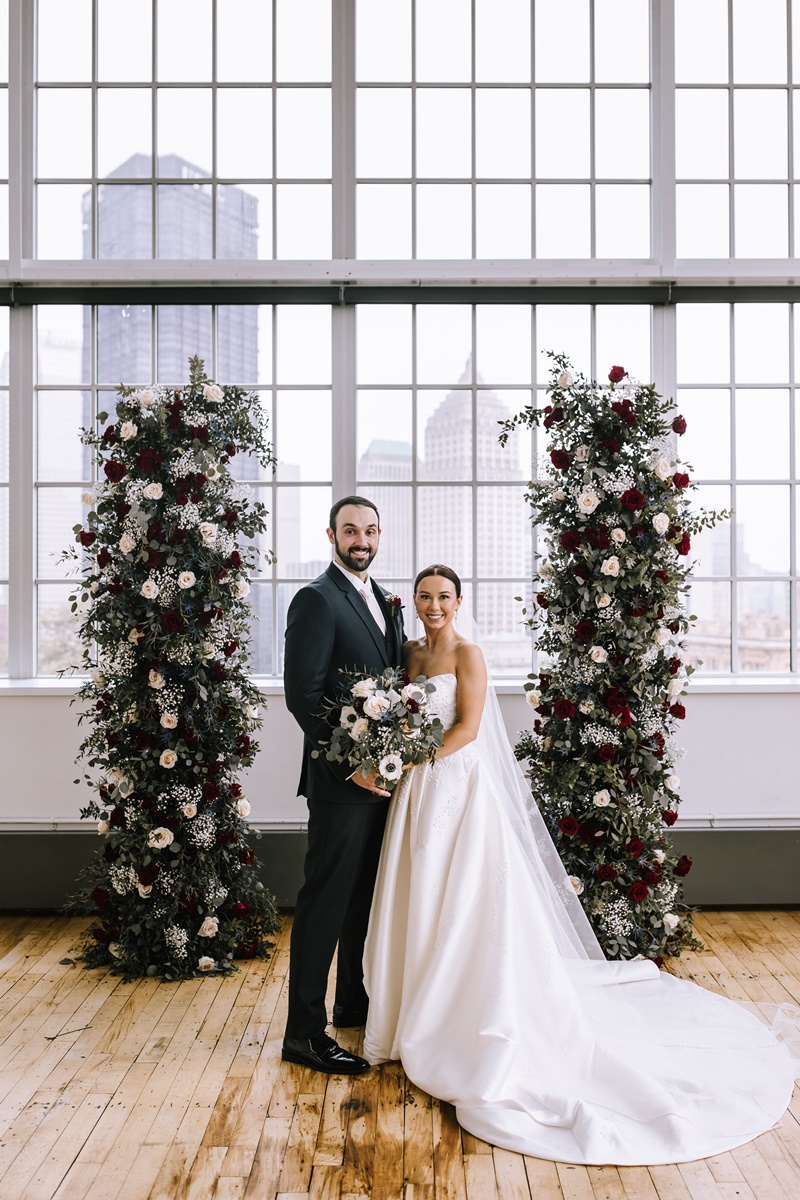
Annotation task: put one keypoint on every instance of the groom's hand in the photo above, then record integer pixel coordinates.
(368, 784)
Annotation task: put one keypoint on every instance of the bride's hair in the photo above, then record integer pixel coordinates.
(439, 569)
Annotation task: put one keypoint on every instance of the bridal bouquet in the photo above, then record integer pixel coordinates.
(380, 724)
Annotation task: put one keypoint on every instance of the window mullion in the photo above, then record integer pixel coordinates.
(21, 497)
(343, 162)
(662, 125)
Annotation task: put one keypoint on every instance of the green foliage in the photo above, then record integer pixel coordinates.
(169, 702)
(612, 499)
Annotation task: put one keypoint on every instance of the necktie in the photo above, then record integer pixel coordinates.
(368, 596)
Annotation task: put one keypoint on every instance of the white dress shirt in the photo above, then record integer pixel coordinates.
(365, 588)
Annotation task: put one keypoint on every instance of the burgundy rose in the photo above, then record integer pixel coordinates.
(684, 545)
(585, 630)
(247, 856)
(116, 817)
(610, 445)
(639, 607)
(680, 479)
(200, 433)
(564, 709)
(678, 711)
(230, 648)
(615, 700)
(149, 459)
(597, 537)
(103, 558)
(181, 499)
(674, 666)
(679, 424)
(541, 600)
(632, 499)
(554, 416)
(101, 898)
(606, 873)
(570, 540)
(213, 768)
(234, 560)
(662, 576)
(652, 875)
(606, 753)
(211, 791)
(147, 875)
(616, 374)
(581, 571)
(658, 960)
(231, 517)
(559, 459)
(230, 449)
(240, 909)
(591, 833)
(86, 537)
(153, 558)
(173, 621)
(634, 847)
(115, 471)
(683, 866)
(218, 671)
(625, 718)
(638, 891)
(111, 853)
(545, 680)
(110, 437)
(669, 816)
(243, 742)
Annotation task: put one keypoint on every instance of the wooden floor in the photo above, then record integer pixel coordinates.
(116, 1091)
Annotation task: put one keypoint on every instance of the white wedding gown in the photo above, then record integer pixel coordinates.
(564, 1058)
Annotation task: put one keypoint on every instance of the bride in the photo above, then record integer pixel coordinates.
(486, 981)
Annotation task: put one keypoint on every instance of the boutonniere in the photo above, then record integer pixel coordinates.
(395, 604)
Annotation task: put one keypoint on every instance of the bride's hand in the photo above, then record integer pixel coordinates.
(368, 784)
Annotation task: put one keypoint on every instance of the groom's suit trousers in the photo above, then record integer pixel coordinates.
(344, 842)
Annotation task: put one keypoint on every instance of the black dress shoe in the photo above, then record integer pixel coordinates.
(348, 1018)
(322, 1053)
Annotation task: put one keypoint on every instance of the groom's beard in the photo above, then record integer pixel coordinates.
(359, 562)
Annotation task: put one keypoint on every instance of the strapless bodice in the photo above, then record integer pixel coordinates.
(443, 700)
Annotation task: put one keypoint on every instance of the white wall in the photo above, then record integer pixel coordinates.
(740, 770)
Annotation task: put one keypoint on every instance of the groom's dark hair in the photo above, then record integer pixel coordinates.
(361, 501)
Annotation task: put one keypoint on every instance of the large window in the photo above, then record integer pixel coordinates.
(377, 217)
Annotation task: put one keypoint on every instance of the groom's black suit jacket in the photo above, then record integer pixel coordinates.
(329, 628)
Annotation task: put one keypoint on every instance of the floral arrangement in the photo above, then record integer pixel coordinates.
(381, 724)
(613, 499)
(164, 625)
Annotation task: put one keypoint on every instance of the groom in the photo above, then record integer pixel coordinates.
(341, 620)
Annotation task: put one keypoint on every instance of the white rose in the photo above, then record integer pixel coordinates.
(671, 921)
(160, 837)
(662, 468)
(391, 766)
(602, 799)
(208, 649)
(98, 678)
(186, 579)
(128, 430)
(189, 809)
(673, 782)
(610, 566)
(243, 808)
(144, 889)
(149, 589)
(603, 600)
(135, 636)
(253, 712)
(588, 501)
(126, 543)
(155, 680)
(598, 654)
(241, 588)
(674, 688)
(209, 928)
(168, 759)
(205, 963)
(576, 884)
(545, 570)
(153, 491)
(103, 827)
(661, 522)
(565, 379)
(208, 530)
(168, 721)
(364, 687)
(618, 535)
(559, 495)
(114, 949)
(212, 392)
(659, 855)
(359, 728)
(586, 706)
(88, 498)
(582, 454)
(412, 692)
(533, 697)
(146, 397)
(661, 636)
(94, 587)
(376, 705)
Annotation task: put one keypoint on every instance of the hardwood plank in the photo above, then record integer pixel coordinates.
(699, 1181)
(448, 1159)
(543, 1179)
(229, 1187)
(638, 1183)
(359, 1151)
(335, 1118)
(388, 1167)
(510, 1177)
(575, 1182)
(299, 1155)
(326, 1183)
(480, 1177)
(266, 1172)
(418, 1162)
(606, 1183)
